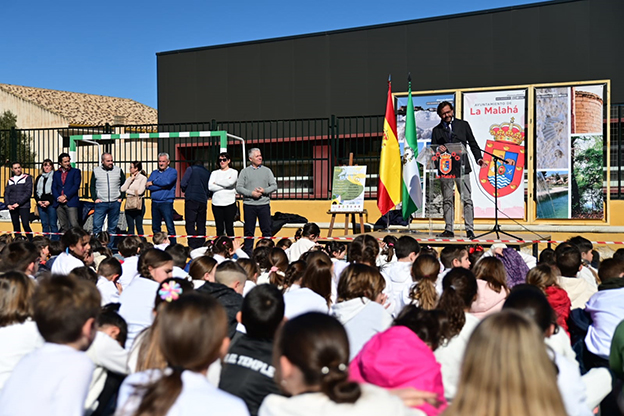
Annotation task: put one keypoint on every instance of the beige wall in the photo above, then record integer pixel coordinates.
(29, 115)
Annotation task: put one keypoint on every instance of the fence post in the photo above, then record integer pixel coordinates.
(333, 156)
(13, 145)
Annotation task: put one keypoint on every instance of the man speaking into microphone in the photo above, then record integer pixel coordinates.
(452, 130)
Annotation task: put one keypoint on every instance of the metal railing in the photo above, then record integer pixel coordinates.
(301, 152)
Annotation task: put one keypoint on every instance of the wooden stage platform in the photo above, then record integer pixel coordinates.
(425, 238)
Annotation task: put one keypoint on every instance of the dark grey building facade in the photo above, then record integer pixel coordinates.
(344, 72)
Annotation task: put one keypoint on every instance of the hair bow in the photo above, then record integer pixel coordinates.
(170, 291)
(477, 249)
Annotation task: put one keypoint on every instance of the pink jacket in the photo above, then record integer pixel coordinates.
(397, 358)
(488, 301)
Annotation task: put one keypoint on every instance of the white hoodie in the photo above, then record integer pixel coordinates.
(578, 290)
(400, 274)
(362, 319)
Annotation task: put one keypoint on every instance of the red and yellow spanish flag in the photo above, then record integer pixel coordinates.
(389, 189)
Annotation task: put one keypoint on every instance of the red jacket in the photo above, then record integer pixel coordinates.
(560, 302)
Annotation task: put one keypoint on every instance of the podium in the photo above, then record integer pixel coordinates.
(441, 163)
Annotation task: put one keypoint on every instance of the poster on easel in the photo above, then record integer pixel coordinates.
(498, 120)
(569, 142)
(348, 189)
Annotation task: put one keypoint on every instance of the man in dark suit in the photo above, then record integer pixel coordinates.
(452, 130)
(65, 187)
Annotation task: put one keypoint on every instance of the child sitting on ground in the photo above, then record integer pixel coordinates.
(110, 358)
(569, 261)
(402, 356)
(227, 289)
(161, 240)
(43, 248)
(261, 314)
(129, 248)
(422, 291)
(180, 255)
(54, 380)
(194, 335)
(76, 243)
(587, 272)
(108, 276)
(450, 257)
(405, 250)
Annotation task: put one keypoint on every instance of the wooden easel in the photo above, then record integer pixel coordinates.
(346, 229)
(350, 214)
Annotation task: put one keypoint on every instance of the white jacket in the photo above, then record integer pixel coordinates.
(106, 354)
(362, 319)
(450, 356)
(374, 401)
(400, 274)
(578, 290)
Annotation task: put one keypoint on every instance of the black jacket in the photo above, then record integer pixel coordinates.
(19, 192)
(461, 133)
(247, 370)
(228, 298)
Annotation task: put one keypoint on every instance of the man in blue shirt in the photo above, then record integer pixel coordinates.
(162, 185)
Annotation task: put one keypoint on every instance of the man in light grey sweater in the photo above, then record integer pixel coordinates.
(256, 183)
(105, 188)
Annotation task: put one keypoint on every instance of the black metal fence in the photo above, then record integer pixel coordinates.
(301, 153)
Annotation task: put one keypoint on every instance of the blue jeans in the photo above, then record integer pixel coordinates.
(49, 221)
(101, 210)
(160, 211)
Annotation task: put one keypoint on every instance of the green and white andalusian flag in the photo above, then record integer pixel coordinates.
(411, 197)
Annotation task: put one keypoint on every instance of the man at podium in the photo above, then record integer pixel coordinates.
(452, 130)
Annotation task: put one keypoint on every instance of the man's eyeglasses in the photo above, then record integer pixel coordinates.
(222, 160)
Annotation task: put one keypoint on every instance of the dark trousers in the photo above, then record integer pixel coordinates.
(195, 222)
(263, 214)
(23, 214)
(67, 217)
(224, 219)
(163, 211)
(134, 218)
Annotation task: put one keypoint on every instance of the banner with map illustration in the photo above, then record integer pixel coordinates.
(569, 142)
(498, 122)
(348, 189)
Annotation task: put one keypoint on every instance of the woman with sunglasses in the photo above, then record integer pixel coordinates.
(222, 184)
(45, 200)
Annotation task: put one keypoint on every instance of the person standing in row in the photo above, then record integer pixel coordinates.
(194, 184)
(17, 198)
(45, 199)
(162, 185)
(135, 185)
(65, 186)
(222, 185)
(256, 183)
(105, 187)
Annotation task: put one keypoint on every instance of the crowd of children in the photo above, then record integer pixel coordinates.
(366, 328)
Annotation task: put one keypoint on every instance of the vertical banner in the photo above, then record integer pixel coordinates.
(497, 119)
(426, 118)
(569, 158)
